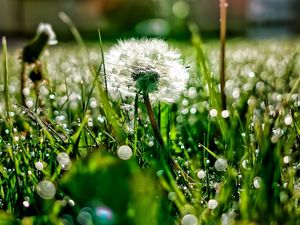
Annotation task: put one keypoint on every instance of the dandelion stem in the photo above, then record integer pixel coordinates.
(223, 14)
(165, 153)
(154, 124)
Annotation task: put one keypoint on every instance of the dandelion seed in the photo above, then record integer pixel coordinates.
(146, 65)
(189, 219)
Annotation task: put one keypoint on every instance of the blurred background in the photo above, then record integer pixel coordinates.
(166, 18)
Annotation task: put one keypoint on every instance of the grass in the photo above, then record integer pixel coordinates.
(236, 166)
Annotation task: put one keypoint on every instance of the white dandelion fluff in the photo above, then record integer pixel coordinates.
(145, 66)
(47, 28)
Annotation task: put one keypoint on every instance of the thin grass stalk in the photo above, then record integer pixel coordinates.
(5, 74)
(109, 112)
(223, 18)
(103, 61)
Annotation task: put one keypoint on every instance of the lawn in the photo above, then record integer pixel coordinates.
(84, 148)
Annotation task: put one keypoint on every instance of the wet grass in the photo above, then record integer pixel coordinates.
(59, 161)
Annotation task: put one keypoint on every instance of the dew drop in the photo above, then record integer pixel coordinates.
(212, 204)
(39, 165)
(257, 182)
(63, 159)
(288, 120)
(213, 112)
(46, 189)
(84, 218)
(221, 164)
(104, 215)
(286, 159)
(201, 174)
(189, 219)
(26, 204)
(225, 114)
(124, 152)
(172, 196)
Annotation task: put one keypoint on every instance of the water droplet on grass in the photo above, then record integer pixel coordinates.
(26, 204)
(104, 215)
(257, 182)
(189, 219)
(221, 164)
(39, 165)
(288, 120)
(84, 218)
(225, 114)
(172, 196)
(63, 159)
(213, 112)
(124, 152)
(201, 174)
(212, 204)
(46, 189)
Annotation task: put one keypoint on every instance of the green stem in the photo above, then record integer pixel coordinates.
(154, 124)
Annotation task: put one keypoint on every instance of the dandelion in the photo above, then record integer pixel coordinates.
(47, 28)
(148, 68)
(145, 66)
(31, 54)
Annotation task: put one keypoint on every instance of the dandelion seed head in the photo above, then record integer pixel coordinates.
(146, 65)
(47, 28)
